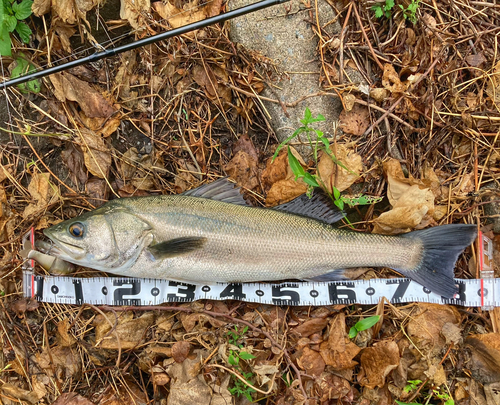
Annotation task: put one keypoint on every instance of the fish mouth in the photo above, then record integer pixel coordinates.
(61, 249)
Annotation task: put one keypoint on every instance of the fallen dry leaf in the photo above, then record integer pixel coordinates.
(356, 121)
(131, 331)
(377, 362)
(92, 103)
(391, 80)
(64, 338)
(426, 324)
(7, 217)
(32, 396)
(177, 17)
(277, 170)
(191, 321)
(188, 386)
(96, 154)
(485, 350)
(311, 326)
(72, 157)
(339, 350)
(412, 202)
(71, 398)
(68, 11)
(126, 393)
(333, 175)
(97, 190)
(311, 362)
(285, 190)
(184, 180)
(333, 387)
(43, 192)
(242, 168)
(63, 361)
(180, 351)
(132, 11)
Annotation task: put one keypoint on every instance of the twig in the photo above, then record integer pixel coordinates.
(243, 380)
(375, 57)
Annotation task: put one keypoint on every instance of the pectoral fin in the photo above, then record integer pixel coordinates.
(176, 247)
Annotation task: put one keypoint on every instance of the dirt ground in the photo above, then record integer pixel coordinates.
(419, 129)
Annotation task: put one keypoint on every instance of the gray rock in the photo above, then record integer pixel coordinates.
(290, 42)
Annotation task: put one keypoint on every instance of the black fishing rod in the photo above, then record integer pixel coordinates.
(142, 42)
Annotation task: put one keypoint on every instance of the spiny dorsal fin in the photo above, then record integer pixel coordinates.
(219, 190)
(319, 207)
(176, 247)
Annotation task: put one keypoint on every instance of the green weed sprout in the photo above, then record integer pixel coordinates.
(320, 144)
(410, 13)
(11, 15)
(364, 324)
(383, 9)
(24, 66)
(239, 387)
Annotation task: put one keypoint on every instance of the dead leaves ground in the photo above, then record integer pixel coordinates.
(166, 118)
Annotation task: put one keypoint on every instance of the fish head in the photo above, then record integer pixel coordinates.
(106, 239)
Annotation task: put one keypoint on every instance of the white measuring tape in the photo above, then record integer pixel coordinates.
(483, 292)
(138, 292)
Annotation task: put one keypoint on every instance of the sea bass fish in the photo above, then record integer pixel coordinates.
(210, 235)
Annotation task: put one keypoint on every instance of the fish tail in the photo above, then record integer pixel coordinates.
(441, 247)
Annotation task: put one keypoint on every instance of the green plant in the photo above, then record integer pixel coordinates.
(412, 385)
(410, 13)
(383, 9)
(321, 143)
(11, 15)
(234, 359)
(441, 394)
(364, 324)
(23, 66)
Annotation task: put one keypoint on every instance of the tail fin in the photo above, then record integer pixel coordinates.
(442, 246)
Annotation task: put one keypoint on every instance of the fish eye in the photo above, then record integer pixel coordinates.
(76, 229)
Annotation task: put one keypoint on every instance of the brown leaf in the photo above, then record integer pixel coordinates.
(485, 350)
(101, 126)
(98, 191)
(379, 94)
(339, 350)
(391, 80)
(64, 361)
(13, 391)
(333, 175)
(333, 387)
(311, 362)
(246, 145)
(190, 321)
(412, 201)
(133, 10)
(71, 398)
(475, 60)
(92, 103)
(377, 362)
(180, 351)
(128, 163)
(426, 324)
(243, 169)
(43, 192)
(96, 154)
(285, 190)
(126, 393)
(131, 331)
(205, 78)
(72, 157)
(277, 170)
(311, 326)
(178, 18)
(24, 304)
(356, 121)
(64, 338)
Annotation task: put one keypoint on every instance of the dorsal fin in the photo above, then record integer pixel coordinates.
(219, 190)
(319, 207)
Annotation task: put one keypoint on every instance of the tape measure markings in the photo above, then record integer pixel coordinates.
(137, 292)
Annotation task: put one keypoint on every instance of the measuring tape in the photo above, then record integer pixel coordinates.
(483, 292)
(138, 292)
